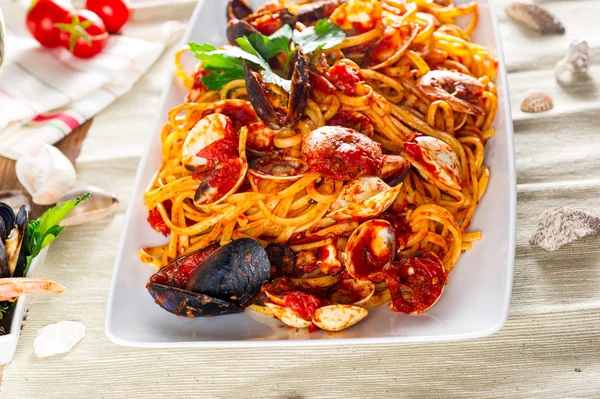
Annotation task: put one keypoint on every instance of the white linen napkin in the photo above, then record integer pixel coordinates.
(46, 93)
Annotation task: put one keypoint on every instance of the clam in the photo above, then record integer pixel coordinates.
(536, 101)
(214, 130)
(416, 282)
(101, 204)
(46, 173)
(288, 316)
(436, 161)
(279, 112)
(220, 182)
(224, 282)
(370, 249)
(363, 198)
(535, 17)
(281, 169)
(338, 317)
(352, 292)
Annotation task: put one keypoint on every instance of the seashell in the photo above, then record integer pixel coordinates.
(578, 59)
(46, 173)
(58, 338)
(536, 101)
(101, 204)
(535, 17)
(562, 225)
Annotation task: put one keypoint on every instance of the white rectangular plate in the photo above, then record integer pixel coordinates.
(475, 301)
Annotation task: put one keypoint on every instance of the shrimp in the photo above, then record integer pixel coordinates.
(462, 92)
(12, 288)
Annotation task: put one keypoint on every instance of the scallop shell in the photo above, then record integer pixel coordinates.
(46, 173)
(58, 338)
(535, 17)
(536, 101)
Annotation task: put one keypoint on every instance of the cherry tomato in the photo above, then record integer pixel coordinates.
(83, 34)
(40, 21)
(114, 13)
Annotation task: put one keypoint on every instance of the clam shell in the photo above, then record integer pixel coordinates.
(101, 204)
(535, 17)
(46, 173)
(58, 338)
(536, 101)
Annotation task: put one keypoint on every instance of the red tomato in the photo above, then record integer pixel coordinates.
(40, 21)
(83, 34)
(114, 13)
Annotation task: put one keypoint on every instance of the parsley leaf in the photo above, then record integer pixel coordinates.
(324, 35)
(45, 229)
(269, 46)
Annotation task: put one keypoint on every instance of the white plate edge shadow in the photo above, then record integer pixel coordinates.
(511, 221)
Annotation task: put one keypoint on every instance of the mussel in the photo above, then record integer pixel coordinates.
(224, 282)
(16, 245)
(7, 215)
(272, 105)
(282, 259)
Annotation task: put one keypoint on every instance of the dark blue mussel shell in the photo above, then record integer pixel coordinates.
(225, 282)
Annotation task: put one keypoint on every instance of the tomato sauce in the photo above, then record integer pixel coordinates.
(198, 75)
(157, 222)
(345, 78)
(306, 261)
(225, 177)
(352, 120)
(239, 115)
(177, 273)
(220, 151)
(414, 151)
(303, 304)
(402, 230)
(415, 283)
(368, 265)
(268, 24)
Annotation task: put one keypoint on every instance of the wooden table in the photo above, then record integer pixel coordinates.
(549, 348)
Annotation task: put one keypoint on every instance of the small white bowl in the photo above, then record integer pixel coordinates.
(8, 343)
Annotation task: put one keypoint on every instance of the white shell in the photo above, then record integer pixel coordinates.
(338, 317)
(440, 156)
(46, 173)
(536, 101)
(288, 316)
(578, 59)
(364, 197)
(535, 17)
(58, 338)
(209, 129)
(101, 204)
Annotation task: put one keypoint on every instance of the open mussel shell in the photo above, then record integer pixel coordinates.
(363, 198)
(237, 29)
(338, 317)
(16, 245)
(352, 292)
(222, 181)
(238, 9)
(4, 271)
(190, 304)
(234, 273)
(178, 272)
(278, 169)
(288, 316)
(435, 160)
(8, 218)
(101, 204)
(370, 249)
(282, 259)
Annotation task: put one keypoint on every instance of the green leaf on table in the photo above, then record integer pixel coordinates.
(324, 35)
(45, 229)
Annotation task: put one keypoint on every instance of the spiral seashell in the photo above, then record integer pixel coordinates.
(46, 173)
(535, 17)
(536, 101)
